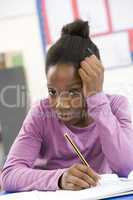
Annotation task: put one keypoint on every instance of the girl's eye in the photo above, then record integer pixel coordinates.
(52, 92)
(74, 93)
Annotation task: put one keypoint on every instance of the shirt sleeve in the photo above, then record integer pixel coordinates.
(18, 173)
(115, 130)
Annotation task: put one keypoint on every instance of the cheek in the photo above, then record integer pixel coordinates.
(52, 102)
(77, 102)
(74, 102)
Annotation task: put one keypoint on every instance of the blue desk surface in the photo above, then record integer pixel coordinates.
(130, 196)
(126, 197)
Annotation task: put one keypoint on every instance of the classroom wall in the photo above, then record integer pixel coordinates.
(19, 30)
(110, 23)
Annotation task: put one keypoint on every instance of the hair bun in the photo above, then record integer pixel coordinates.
(76, 28)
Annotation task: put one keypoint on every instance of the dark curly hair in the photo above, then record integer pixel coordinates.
(72, 47)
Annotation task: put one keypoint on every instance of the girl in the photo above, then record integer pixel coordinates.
(100, 124)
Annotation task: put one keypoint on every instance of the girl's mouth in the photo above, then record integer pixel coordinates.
(66, 116)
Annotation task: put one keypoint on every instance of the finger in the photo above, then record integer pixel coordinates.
(84, 75)
(89, 171)
(71, 186)
(79, 182)
(95, 59)
(94, 66)
(83, 176)
(86, 78)
(93, 174)
(89, 69)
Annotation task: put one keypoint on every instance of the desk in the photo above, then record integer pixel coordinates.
(127, 197)
(130, 196)
(3, 193)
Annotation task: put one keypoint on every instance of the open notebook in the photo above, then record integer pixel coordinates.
(110, 185)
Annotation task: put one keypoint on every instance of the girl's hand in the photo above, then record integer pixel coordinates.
(92, 75)
(78, 177)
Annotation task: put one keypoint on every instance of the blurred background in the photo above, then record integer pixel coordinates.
(28, 28)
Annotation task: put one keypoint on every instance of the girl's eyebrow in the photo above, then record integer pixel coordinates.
(74, 83)
(69, 85)
(49, 85)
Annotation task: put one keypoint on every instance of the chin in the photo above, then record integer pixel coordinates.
(69, 121)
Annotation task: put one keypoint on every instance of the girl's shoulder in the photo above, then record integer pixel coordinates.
(41, 105)
(39, 109)
(116, 99)
(117, 102)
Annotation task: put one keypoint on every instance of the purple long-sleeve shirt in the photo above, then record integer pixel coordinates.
(40, 153)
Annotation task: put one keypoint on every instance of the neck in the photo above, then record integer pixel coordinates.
(85, 121)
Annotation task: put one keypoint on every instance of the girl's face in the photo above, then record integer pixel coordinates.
(65, 93)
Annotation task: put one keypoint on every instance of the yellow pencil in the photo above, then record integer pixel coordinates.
(76, 150)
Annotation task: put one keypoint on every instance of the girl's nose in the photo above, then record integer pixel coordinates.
(63, 102)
